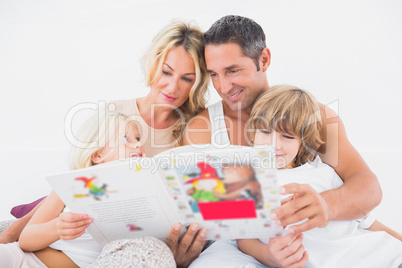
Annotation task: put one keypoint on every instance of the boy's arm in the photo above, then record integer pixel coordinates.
(13, 232)
(285, 251)
(361, 188)
(378, 226)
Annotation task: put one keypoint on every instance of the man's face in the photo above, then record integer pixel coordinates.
(234, 75)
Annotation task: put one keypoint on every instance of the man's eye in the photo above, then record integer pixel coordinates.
(234, 71)
(138, 138)
(213, 74)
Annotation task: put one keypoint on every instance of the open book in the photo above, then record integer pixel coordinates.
(229, 192)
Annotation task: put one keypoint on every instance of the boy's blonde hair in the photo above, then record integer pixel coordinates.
(99, 130)
(179, 33)
(290, 110)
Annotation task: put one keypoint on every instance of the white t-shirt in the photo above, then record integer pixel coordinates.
(82, 251)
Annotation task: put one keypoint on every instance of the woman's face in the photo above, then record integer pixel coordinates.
(177, 78)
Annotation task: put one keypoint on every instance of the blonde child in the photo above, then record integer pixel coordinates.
(57, 238)
(289, 119)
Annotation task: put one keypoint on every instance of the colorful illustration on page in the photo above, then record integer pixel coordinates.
(96, 191)
(229, 191)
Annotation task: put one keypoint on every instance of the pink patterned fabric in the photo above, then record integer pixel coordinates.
(140, 253)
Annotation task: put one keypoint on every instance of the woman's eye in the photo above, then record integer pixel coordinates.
(265, 131)
(165, 73)
(187, 79)
(125, 139)
(138, 138)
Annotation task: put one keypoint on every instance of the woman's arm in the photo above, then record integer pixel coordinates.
(286, 251)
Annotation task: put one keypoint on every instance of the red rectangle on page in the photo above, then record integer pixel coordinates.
(224, 210)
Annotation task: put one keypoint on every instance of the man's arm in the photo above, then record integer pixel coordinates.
(360, 190)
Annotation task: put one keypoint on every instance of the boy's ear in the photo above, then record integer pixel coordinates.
(96, 157)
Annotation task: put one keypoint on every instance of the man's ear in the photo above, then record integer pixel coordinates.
(96, 157)
(265, 59)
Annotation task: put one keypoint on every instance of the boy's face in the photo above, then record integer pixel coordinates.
(235, 76)
(286, 146)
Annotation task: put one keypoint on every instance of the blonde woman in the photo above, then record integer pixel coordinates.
(176, 75)
(177, 78)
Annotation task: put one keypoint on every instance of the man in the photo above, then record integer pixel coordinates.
(237, 59)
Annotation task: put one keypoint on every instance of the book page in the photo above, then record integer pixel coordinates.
(230, 192)
(124, 199)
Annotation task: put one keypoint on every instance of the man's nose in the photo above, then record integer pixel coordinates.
(225, 85)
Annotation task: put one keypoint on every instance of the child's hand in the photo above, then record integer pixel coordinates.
(286, 251)
(71, 225)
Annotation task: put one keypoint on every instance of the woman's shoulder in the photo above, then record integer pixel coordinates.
(125, 106)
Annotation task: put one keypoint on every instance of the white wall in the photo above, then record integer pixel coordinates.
(56, 54)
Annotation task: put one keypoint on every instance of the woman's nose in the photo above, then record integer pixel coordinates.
(173, 85)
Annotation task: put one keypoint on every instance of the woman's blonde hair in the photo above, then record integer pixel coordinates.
(99, 130)
(179, 33)
(290, 110)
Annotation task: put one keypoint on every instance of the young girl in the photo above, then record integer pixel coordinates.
(289, 119)
(55, 237)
